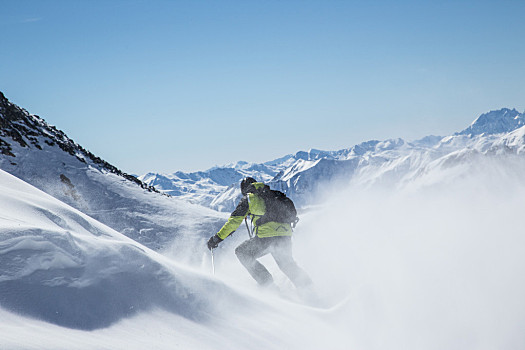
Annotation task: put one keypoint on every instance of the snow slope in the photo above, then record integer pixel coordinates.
(63, 267)
(68, 281)
(438, 266)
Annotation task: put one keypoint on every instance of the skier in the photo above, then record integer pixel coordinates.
(270, 237)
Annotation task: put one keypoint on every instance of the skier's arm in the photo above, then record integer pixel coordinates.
(235, 219)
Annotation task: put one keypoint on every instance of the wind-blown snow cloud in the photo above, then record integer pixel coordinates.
(435, 266)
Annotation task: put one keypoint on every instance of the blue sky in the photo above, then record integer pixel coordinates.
(185, 85)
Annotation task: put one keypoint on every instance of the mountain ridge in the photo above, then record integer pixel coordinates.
(48, 159)
(24, 128)
(300, 174)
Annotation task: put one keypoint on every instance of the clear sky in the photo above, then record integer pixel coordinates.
(185, 85)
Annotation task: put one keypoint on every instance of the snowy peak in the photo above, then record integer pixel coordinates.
(496, 122)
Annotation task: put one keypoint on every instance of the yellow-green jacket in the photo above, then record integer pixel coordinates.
(253, 205)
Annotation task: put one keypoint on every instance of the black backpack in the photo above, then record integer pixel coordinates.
(279, 208)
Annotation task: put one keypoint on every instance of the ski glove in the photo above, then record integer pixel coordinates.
(214, 242)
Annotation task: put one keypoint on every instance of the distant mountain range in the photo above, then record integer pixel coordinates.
(390, 162)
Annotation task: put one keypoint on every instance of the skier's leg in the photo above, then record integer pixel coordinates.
(248, 252)
(282, 253)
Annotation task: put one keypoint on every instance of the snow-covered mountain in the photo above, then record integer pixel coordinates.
(399, 162)
(496, 122)
(304, 175)
(45, 157)
(204, 186)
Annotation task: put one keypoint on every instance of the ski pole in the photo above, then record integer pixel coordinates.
(247, 228)
(212, 262)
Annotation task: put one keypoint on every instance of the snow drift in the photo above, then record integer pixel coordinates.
(60, 266)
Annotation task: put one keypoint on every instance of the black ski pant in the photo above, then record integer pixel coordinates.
(281, 249)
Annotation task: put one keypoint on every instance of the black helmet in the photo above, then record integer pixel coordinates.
(245, 185)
